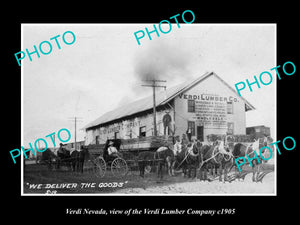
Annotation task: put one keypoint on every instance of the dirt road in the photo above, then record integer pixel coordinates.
(215, 187)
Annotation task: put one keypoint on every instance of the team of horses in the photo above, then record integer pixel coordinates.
(74, 160)
(195, 159)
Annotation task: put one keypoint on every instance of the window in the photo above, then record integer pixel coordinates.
(230, 127)
(97, 140)
(130, 134)
(143, 131)
(191, 105)
(191, 125)
(117, 135)
(229, 108)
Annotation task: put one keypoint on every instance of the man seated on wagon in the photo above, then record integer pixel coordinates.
(112, 151)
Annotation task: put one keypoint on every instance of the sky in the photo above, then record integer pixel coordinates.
(105, 67)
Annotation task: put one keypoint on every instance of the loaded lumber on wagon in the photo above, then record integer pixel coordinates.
(135, 144)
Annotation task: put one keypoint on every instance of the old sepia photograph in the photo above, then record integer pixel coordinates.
(130, 109)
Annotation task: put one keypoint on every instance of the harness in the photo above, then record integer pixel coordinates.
(216, 151)
(212, 157)
(186, 155)
(214, 154)
(225, 153)
(254, 145)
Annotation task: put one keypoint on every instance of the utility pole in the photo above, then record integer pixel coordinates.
(75, 120)
(154, 85)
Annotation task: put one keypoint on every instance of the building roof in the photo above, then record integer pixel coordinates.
(162, 98)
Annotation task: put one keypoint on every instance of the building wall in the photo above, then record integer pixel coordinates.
(210, 97)
(127, 128)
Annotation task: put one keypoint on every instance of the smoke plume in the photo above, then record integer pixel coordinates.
(163, 61)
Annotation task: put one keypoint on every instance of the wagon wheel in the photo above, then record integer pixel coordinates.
(119, 167)
(100, 166)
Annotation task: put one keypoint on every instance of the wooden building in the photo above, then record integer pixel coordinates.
(204, 106)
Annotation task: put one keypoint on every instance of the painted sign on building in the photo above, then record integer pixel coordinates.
(131, 128)
(211, 113)
(210, 110)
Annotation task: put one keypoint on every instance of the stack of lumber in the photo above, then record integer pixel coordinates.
(145, 143)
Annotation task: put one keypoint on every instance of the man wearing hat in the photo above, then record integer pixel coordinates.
(61, 151)
(167, 119)
(112, 150)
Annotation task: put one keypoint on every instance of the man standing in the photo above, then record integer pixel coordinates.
(167, 119)
(189, 134)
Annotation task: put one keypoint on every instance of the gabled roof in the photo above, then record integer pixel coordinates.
(162, 97)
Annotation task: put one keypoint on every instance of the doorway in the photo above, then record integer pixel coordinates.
(200, 133)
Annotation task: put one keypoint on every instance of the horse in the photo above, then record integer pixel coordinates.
(164, 157)
(266, 142)
(241, 150)
(188, 159)
(78, 158)
(64, 157)
(215, 156)
(145, 158)
(211, 158)
(227, 160)
(48, 157)
(204, 167)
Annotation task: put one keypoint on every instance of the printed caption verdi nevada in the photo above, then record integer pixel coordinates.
(156, 211)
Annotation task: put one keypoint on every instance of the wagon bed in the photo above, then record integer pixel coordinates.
(130, 149)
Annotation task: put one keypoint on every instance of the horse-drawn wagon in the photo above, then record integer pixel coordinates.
(133, 154)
